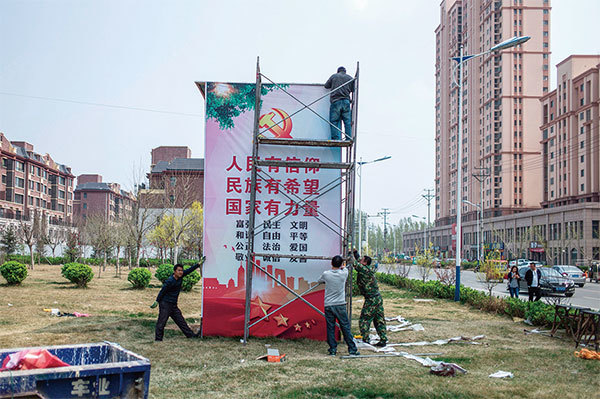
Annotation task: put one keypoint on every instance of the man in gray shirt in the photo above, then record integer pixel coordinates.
(335, 305)
(340, 103)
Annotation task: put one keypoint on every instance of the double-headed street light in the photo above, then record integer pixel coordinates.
(360, 165)
(515, 41)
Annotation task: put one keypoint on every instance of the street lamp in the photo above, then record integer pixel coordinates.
(478, 206)
(515, 41)
(360, 165)
(425, 238)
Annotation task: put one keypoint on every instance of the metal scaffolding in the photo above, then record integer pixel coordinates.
(345, 180)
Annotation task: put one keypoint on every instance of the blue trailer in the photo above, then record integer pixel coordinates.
(100, 370)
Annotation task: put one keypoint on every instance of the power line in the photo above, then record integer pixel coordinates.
(64, 100)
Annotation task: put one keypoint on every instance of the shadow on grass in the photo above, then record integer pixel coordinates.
(364, 393)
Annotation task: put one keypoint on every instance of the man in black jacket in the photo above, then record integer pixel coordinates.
(533, 277)
(167, 302)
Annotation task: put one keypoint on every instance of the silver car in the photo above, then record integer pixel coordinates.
(572, 272)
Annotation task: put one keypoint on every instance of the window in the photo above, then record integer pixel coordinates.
(38, 186)
(84, 205)
(581, 173)
(31, 185)
(31, 169)
(30, 200)
(37, 202)
(173, 180)
(582, 144)
(61, 207)
(61, 194)
(3, 179)
(20, 182)
(582, 158)
(20, 166)
(581, 116)
(595, 228)
(61, 180)
(84, 195)
(582, 187)
(39, 171)
(18, 198)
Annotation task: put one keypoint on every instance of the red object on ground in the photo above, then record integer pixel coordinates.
(31, 359)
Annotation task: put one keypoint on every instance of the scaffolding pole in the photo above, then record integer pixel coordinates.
(346, 178)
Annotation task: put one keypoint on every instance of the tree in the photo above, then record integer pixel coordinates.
(193, 236)
(72, 252)
(425, 261)
(491, 272)
(161, 235)
(120, 234)
(30, 233)
(101, 237)
(41, 237)
(55, 238)
(9, 240)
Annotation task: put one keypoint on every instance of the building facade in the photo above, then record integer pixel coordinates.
(94, 197)
(567, 234)
(501, 118)
(34, 183)
(571, 134)
(175, 180)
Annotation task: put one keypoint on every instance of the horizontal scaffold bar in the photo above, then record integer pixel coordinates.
(288, 256)
(303, 164)
(306, 142)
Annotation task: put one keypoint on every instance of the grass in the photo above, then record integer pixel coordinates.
(223, 368)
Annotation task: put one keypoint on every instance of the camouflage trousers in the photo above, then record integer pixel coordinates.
(372, 311)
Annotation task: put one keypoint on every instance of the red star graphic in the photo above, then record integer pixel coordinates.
(281, 320)
(259, 309)
(297, 327)
(308, 325)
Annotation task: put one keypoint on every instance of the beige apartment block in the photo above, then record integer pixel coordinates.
(571, 134)
(501, 110)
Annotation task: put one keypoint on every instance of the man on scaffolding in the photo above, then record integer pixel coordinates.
(342, 85)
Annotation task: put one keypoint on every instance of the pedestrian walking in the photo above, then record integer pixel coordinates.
(166, 300)
(335, 305)
(513, 282)
(533, 277)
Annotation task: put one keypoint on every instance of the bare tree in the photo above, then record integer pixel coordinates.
(55, 238)
(446, 275)
(101, 237)
(120, 234)
(29, 232)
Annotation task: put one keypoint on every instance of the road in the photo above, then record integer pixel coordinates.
(588, 296)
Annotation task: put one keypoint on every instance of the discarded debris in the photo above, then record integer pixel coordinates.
(423, 300)
(447, 369)
(588, 354)
(10, 304)
(58, 313)
(501, 374)
(272, 356)
(442, 341)
(536, 331)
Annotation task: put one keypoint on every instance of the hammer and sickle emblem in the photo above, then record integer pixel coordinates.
(281, 130)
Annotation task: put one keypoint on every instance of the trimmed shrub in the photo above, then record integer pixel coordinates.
(139, 277)
(77, 273)
(13, 272)
(539, 313)
(190, 281)
(163, 272)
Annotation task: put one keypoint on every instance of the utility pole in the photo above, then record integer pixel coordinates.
(481, 176)
(384, 212)
(428, 197)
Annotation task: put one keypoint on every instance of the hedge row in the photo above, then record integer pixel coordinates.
(60, 260)
(539, 313)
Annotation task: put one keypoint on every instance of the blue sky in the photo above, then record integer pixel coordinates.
(147, 54)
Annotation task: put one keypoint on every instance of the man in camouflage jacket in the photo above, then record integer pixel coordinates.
(372, 310)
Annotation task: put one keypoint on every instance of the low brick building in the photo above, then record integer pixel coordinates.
(94, 197)
(33, 182)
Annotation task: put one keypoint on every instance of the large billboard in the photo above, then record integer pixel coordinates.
(298, 210)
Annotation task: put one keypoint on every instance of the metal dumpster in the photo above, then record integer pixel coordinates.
(100, 370)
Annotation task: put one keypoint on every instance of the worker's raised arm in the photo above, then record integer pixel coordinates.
(328, 83)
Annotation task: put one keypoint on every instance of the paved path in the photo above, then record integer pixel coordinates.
(588, 296)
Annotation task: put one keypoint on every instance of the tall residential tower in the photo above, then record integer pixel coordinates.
(501, 105)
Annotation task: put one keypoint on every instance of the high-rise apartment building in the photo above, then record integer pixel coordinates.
(501, 94)
(32, 182)
(571, 134)
(95, 197)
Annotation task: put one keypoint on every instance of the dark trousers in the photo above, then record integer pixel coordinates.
(166, 310)
(333, 313)
(340, 111)
(534, 291)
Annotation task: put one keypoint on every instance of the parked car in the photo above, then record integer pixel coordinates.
(572, 272)
(552, 282)
(519, 262)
